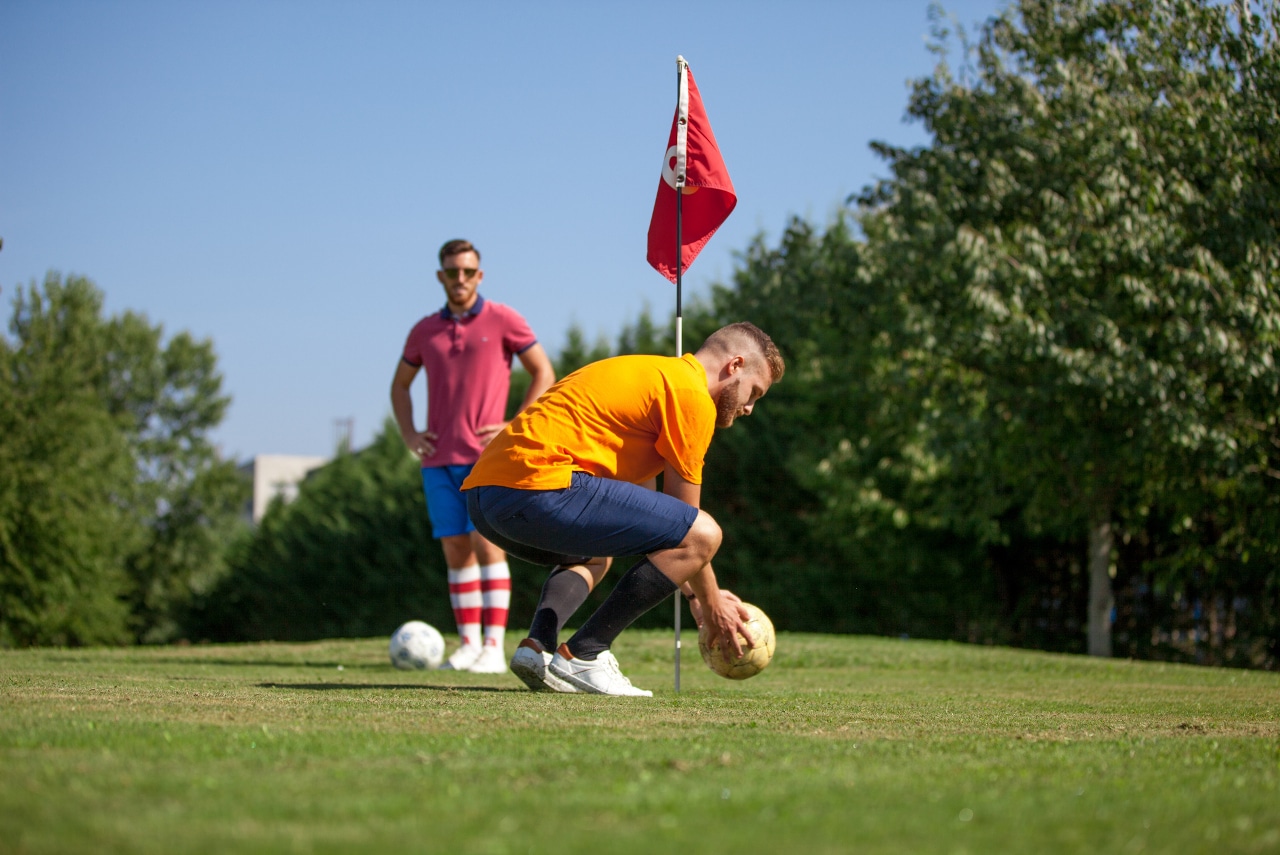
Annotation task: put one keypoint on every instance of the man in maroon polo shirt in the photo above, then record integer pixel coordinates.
(466, 350)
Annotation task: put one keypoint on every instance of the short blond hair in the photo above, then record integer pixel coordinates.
(735, 339)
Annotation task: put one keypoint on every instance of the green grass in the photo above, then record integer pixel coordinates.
(845, 744)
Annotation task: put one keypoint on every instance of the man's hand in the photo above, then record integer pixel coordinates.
(726, 621)
(695, 604)
(422, 444)
(485, 433)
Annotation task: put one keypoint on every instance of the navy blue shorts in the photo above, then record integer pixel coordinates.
(594, 516)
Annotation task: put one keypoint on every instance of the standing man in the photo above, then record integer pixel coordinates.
(566, 485)
(466, 350)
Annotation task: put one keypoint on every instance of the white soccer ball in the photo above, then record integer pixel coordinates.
(417, 646)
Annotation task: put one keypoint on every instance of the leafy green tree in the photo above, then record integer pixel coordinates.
(351, 556)
(577, 353)
(67, 481)
(1087, 249)
(169, 396)
(642, 336)
(154, 508)
(813, 490)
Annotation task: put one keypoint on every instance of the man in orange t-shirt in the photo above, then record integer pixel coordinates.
(568, 484)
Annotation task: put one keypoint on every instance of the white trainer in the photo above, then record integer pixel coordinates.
(490, 661)
(462, 659)
(601, 677)
(530, 665)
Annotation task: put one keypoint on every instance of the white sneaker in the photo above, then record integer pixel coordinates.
(462, 659)
(530, 665)
(490, 661)
(601, 677)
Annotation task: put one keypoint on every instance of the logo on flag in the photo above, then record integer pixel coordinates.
(695, 195)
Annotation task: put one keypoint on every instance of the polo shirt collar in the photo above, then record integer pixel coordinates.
(473, 311)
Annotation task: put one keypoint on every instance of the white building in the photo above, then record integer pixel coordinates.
(276, 475)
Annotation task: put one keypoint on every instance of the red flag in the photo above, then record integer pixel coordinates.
(692, 162)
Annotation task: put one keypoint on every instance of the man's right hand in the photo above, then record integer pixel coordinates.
(422, 444)
(727, 624)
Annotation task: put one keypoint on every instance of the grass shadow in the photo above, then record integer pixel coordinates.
(329, 687)
(227, 662)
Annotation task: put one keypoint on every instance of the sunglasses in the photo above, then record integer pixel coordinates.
(456, 273)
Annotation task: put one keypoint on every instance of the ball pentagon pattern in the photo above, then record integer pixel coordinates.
(416, 646)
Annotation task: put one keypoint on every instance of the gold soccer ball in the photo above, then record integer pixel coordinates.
(754, 659)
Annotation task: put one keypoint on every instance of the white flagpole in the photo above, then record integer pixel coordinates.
(682, 131)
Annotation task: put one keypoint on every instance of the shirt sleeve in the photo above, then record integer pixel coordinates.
(411, 353)
(687, 422)
(517, 335)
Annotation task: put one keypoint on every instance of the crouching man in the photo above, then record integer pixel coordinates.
(568, 484)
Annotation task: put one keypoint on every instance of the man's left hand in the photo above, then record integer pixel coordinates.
(695, 604)
(486, 433)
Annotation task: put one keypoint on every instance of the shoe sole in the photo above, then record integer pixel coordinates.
(530, 676)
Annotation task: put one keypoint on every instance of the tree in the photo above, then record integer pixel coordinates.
(66, 476)
(641, 336)
(348, 557)
(822, 492)
(1088, 252)
(113, 503)
(169, 397)
(576, 353)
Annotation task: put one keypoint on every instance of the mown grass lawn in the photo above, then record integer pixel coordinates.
(845, 744)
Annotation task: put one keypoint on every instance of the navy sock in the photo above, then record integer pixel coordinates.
(562, 594)
(642, 588)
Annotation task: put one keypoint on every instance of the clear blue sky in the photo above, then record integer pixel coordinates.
(277, 176)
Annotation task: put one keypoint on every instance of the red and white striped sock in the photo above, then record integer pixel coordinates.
(467, 602)
(495, 590)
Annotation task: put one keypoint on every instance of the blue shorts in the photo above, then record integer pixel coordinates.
(593, 516)
(446, 505)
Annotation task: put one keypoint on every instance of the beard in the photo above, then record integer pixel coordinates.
(727, 404)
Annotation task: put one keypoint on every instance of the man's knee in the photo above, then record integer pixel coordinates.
(485, 550)
(458, 550)
(704, 536)
(591, 570)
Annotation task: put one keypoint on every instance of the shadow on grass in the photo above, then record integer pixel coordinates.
(360, 687)
(278, 663)
(234, 663)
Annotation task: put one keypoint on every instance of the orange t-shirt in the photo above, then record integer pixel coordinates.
(620, 418)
